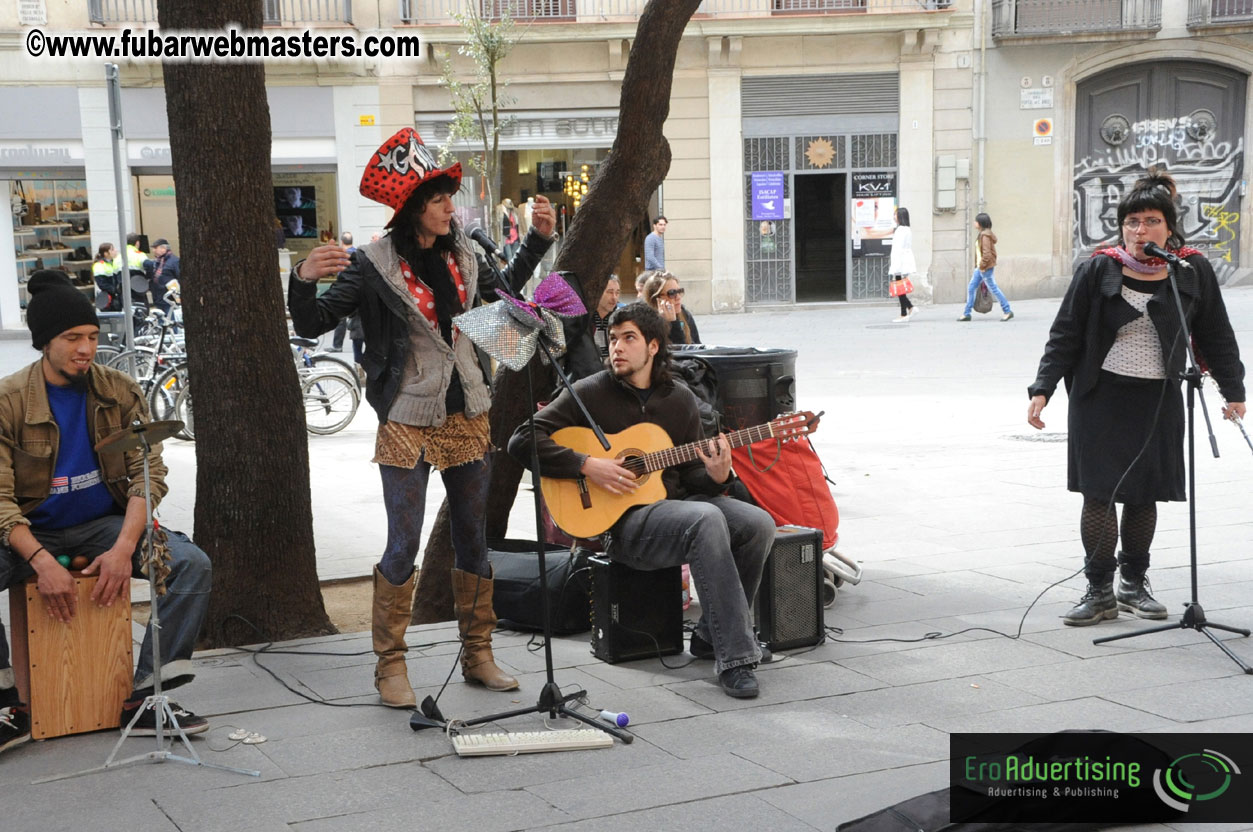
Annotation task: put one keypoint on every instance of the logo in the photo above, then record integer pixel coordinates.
(403, 158)
(1194, 778)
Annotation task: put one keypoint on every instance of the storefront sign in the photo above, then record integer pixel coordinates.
(524, 131)
(768, 194)
(41, 154)
(874, 204)
(32, 12)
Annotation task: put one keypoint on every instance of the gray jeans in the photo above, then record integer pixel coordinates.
(182, 608)
(726, 542)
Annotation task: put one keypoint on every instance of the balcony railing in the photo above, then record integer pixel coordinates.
(1067, 17)
(1219, 12)
(276, 12)
(440, 12)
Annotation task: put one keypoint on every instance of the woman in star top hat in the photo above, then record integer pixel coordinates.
(1117, 342)
(426, 384)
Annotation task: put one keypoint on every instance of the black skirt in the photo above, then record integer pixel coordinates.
(1110, 426)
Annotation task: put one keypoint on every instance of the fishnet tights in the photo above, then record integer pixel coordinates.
(1098, 529)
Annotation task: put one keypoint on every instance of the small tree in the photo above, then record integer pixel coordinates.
(477, 103)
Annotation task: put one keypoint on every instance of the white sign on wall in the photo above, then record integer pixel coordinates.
(1036, 98)
(32, 12)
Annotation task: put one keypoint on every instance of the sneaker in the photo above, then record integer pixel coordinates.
(913, 310)
(964, 318)
(902, 319)
(146, 725)
(1008, 316)
(739, 682)
(14, 726)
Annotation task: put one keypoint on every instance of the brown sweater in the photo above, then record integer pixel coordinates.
(987, 250)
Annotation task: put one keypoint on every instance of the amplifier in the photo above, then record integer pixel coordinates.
(635, 614)
(789, 603)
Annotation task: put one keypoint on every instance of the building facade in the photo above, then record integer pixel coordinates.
(850, 107)
(1082, 98)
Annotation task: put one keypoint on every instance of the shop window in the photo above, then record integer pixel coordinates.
(51, 229)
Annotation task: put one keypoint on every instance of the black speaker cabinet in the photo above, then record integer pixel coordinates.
(635, 615)
(789, 603)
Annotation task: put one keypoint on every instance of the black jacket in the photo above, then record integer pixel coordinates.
(362, 292)
(1094, 309)
(616, 406)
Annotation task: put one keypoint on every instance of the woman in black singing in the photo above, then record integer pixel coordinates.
(1118, 344)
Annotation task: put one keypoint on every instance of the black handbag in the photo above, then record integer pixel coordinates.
(517, 600)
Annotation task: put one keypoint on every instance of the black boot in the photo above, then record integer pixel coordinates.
(1096, 605)
(1133, 588)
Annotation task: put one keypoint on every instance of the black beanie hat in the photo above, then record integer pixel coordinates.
(55, 306)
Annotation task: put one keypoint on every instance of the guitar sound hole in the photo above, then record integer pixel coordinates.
(629, 459)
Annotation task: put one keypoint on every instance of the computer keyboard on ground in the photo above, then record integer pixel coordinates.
(528, 742)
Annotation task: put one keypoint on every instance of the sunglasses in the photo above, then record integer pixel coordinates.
(674, 293)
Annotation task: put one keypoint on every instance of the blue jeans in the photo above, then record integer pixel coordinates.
(182, 608)
(727, 542)
(404, 499)
(984, 277)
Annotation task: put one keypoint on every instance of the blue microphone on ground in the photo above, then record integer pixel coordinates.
(621, 720)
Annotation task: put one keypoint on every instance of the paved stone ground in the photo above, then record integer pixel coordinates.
(959, 514)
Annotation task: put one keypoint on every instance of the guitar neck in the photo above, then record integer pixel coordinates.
(680, 454)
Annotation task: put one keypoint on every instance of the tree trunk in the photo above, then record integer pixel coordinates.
(253, 513)
(619, 194)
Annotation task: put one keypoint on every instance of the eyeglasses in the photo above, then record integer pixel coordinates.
(674, 293)
(1150, 222)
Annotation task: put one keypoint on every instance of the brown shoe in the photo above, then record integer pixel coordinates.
(472, 600)
(392, 607)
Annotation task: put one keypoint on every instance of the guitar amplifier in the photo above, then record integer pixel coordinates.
(635, 614)
(789, 602)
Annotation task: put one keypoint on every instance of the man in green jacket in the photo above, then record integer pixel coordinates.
(60, 500)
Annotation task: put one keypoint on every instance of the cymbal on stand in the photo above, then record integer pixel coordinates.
(128, 438)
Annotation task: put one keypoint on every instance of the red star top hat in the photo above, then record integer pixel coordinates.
(398, 167)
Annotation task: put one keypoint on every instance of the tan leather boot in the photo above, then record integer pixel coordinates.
(392, 607)
(475, 622)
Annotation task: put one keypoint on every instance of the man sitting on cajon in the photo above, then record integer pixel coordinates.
(59, 499)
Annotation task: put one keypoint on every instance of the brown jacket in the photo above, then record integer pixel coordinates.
(987, 250)
(29, 440)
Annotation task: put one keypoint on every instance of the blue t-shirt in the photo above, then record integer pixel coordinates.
(78, 492)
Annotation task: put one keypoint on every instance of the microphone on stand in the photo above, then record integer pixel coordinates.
(485, 242)
(1154, 250)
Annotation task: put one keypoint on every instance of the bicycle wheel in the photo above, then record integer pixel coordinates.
(137, 363)
(164, 394)
(106, 353)
(330, 402)
(324, 363)
(183, 412)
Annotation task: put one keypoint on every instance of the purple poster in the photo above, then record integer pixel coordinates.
(768, 195)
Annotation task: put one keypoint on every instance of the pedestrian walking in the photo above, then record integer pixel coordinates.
(1118, 343)
(902, 264)
(655, 245)
(985, 267)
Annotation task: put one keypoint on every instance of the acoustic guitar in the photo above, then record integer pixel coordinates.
(581, 508)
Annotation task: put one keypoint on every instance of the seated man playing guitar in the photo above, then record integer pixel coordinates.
(726, 541)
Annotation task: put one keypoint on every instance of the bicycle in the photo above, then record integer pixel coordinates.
(330, 401)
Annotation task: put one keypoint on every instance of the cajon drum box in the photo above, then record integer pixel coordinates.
(74, 676)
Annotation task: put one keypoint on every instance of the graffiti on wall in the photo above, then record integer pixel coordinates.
(1208, 173)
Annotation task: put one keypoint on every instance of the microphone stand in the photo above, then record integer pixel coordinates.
(1193, 613)
(551, 699)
